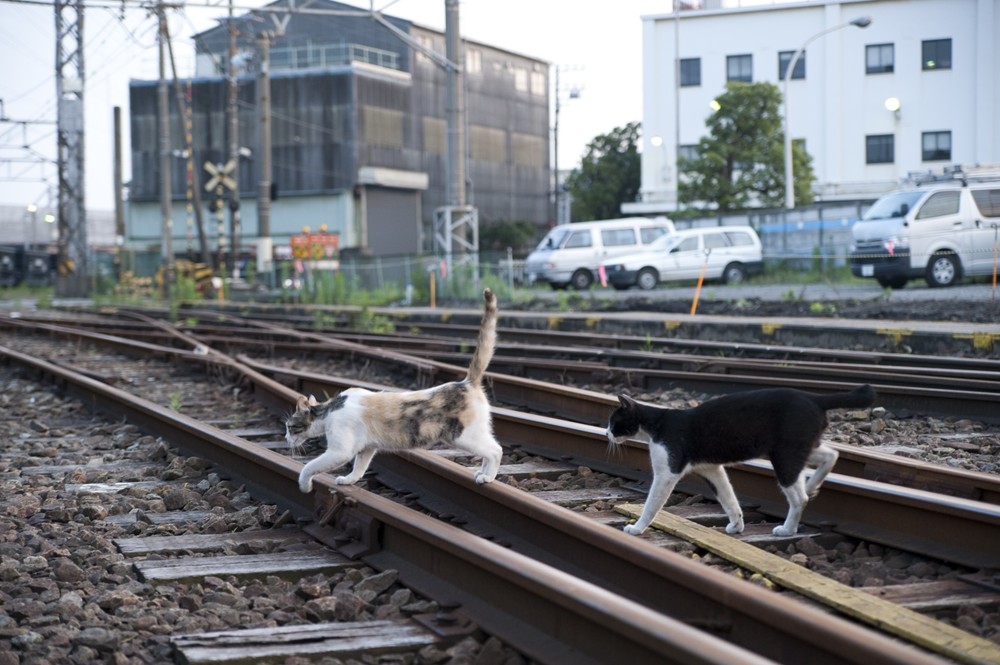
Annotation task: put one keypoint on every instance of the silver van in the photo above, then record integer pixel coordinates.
(570, 254)
(940, 231)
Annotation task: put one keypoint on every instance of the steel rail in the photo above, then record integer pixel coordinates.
(950, 528)
(545, 613)
(464, 323)
(626, 342)
(772, 625)
(958, 403)
(565, 402)
(909, 657)
(711, 374)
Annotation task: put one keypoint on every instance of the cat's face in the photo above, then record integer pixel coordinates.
(624, 420)
(300, 422)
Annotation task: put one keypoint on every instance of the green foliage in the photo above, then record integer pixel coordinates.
(608, 176)
(741, 163)
(365, 321)
(518, 235)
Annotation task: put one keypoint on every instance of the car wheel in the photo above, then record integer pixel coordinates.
(647, 279)
(735, 273)
(582, 279)
(892, 282)
(943, 270)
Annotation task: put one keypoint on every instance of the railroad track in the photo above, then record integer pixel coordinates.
(409, 473)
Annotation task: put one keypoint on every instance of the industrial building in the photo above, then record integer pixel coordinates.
(915, 89)
(358, 132)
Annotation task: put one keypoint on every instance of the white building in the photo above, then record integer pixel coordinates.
(939, 59)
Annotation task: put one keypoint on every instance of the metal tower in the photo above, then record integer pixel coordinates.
(72, 279)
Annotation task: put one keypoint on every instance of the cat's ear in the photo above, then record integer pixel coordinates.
(626, 401)
(301, 404)
(312, 401)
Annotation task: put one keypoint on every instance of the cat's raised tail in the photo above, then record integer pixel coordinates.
(487, 339)
(858, 398)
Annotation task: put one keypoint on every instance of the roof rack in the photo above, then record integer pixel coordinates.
(953, 173)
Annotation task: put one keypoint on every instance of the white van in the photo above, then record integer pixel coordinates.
(941, 231)
(570, 254)
(727, 253)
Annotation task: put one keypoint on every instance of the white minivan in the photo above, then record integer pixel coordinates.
(942, 232)
(727, 253)
(570, 254)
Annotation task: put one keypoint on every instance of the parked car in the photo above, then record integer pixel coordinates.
(941, 231)
(570, 254)
(727, 253)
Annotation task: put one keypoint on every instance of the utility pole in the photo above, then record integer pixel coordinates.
(194, 192)
(234, 146)
(167, 224)
(264, 249)
(119, 193)
(72, 279)
(454, 107)
(456, 224)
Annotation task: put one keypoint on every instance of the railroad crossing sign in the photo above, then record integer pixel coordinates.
(220, 175)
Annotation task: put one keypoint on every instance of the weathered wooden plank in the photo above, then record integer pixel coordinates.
(541, 469)
(886, 616)
(589, 495)
(288, 563)
(115, 488)
(117, 467)
(168, 517)
(207, 542)
(257, 432)
(928, 596)
(341, 640)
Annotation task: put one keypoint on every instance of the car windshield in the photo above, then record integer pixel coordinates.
(893, 205)
(553, 240)
(664, 243)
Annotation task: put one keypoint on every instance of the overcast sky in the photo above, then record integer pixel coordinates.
(597, 43)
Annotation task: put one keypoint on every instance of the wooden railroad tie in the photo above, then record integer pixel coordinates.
(856, 603)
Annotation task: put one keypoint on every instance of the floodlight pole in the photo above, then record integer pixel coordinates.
(862, 22)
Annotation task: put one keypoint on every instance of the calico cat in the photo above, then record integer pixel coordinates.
(358, 423)
(781, 424)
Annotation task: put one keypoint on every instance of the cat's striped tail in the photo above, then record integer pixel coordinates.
(858, 398)
(487, 339)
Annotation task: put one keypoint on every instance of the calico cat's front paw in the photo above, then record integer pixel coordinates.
(782, 530)
(633, 530)
(734, 527)
(345, 480)
(482, 478)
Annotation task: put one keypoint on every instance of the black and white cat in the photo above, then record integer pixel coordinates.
(358, 423)
(780, 424)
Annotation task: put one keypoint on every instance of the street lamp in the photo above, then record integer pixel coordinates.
(862, 22)
(574, 93)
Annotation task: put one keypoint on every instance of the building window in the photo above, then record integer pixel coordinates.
(473, 61)
(687, 152)
(690, 71)
(936, 54)
(880, 59)
(521, 79)
(426, 44)
(538, 85)
(936, 146)
(739, 68)
(785, 57)
(880, 149)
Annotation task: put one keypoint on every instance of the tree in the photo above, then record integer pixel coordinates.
(741, 163)
(608, 175)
